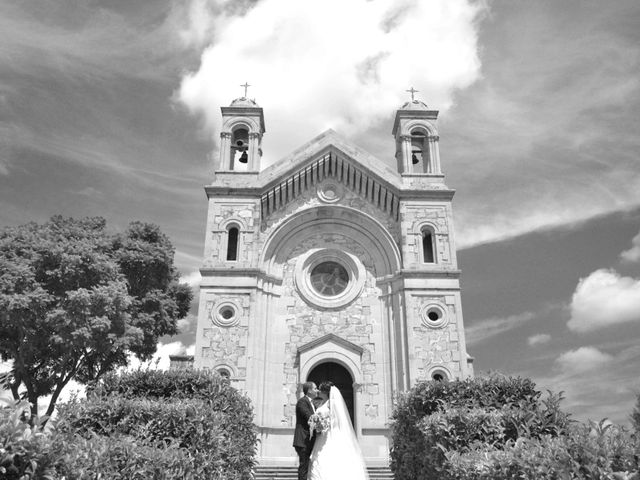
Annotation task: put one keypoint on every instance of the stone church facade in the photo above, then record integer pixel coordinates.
(329, 265)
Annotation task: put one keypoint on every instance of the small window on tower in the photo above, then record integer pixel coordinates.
(427, 246)
(232, 243)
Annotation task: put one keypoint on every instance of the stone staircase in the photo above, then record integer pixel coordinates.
(291, 473)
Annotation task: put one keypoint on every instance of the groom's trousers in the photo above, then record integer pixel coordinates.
(303, 454)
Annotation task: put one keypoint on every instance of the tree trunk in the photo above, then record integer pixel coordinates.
(54, 399)
(33, 400)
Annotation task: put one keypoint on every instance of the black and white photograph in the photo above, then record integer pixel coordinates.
(319, 240)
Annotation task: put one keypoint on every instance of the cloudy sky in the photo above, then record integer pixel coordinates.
(112, 108)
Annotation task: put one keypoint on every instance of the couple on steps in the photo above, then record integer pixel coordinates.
(324, 438)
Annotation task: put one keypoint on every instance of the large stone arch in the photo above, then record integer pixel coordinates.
(363, 229)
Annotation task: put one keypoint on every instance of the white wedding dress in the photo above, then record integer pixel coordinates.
(336, 454)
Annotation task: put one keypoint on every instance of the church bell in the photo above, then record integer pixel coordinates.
(244, 158)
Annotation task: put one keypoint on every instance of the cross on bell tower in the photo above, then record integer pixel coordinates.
(416, 135)
(246, 86)
(241, 135)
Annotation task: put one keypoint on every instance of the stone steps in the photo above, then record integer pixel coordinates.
(291, 473)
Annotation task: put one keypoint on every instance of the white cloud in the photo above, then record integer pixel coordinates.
(633, 254)
(583, 359)
(602, 299)
(485, 329)
(343, 64)
(160, 360)
(595, 384)
(538, 339)
(192, 278)
(184, 324)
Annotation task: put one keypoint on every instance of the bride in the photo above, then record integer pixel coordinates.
(336, 454)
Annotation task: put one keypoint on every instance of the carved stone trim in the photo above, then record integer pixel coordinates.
(349, 262)
(340, 171)
(225, 313)
(346, 344)
(434, 314)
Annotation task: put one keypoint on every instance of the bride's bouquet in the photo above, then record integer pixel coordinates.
(320, 421)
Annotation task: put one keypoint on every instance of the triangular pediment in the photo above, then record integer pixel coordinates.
(330, 156)
(331, 338)
(319, 146)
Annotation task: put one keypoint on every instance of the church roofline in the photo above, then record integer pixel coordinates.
(322, 144)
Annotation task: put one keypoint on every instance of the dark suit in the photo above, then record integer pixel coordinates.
(301, 441)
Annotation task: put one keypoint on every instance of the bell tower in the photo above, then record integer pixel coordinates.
(241, 136)
(416, 135)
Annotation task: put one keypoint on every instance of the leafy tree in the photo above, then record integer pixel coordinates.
(635, 416)
(76, 299)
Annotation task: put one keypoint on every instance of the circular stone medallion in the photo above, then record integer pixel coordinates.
(329, 191)
(329, 279)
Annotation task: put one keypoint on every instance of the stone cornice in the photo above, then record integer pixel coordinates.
(428, 273)
(427, 194)
(331, 338)
(410, 113)
(239, 111)
(419, 274)
(224, 190)
(256, 273)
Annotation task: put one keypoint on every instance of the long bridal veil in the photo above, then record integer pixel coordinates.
(343, 440)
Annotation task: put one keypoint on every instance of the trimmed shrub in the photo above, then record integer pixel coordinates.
(436, 417)
(140, 425)
(586, 452)
(502, 428)
(191, 423)
(124, 457)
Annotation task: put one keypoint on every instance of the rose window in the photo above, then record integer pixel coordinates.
(329, 279)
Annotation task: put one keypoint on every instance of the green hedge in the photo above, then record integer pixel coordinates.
(124, 458)
(585, 452)
(139, 425)
(196, 412)
(436, 417)
(501, 428)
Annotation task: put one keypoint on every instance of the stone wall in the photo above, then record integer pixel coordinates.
(435, 344)
(312, 197)
(225, 340)
(415, 215)
(354, 323)
(222, 213)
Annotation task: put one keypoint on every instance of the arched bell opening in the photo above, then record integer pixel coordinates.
(342, 379)
(239, 148)
(420, 150)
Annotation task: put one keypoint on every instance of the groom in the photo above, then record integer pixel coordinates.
(301, 441)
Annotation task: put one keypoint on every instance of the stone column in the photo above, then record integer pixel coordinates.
(406, 154)
(434, 154)
(254, 152)
(225, 151)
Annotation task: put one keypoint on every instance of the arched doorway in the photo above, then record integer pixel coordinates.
(340, 376)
